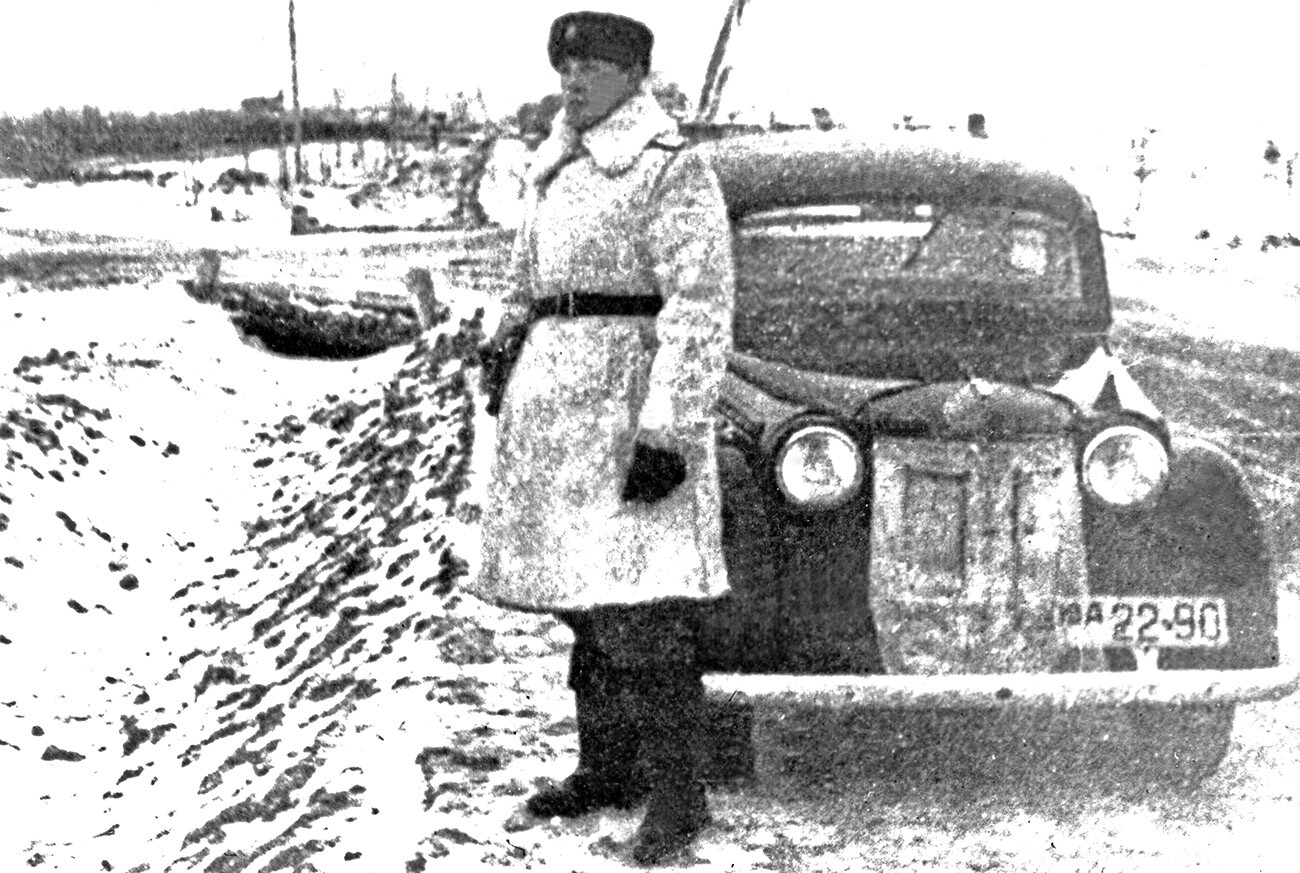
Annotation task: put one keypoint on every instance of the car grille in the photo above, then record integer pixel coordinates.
(970, 543)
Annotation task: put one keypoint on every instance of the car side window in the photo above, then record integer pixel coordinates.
(998, 243)
(1029, 250)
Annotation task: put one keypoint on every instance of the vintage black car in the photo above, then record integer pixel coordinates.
(942, 489)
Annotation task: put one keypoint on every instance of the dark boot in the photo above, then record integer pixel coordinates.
(672, 708)
(671, 824)
(607, 774)
(605, 777)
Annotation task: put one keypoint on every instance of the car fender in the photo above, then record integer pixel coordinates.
(739, 630)
(1202, 536)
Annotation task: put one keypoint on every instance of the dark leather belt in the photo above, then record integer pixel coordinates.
(578, 305)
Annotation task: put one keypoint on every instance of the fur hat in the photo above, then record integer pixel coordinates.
(602, 35)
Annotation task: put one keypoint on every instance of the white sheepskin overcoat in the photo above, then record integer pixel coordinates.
(628, 211)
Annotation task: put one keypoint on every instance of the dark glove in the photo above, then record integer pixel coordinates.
(654, 474)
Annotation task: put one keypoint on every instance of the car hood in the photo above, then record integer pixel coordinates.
(759, 395)
(970, 410)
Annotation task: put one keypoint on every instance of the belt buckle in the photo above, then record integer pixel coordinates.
(568, 301)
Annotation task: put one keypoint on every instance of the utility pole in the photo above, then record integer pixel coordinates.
(298, 176)
(394, 114)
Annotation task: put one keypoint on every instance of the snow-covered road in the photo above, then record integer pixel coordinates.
(239, 646)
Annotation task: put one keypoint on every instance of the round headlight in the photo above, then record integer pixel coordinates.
(1124, 465)
(819, 467)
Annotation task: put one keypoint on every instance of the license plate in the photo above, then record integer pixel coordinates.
(1142, 621)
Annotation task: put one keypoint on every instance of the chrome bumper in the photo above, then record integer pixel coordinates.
(1029, 690)
(992, 691)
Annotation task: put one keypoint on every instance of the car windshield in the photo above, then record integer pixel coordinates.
(870, 249)
(815, 282)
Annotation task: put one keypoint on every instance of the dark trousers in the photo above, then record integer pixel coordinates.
(639, 691)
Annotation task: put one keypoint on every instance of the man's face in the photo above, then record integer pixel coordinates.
(593, 88)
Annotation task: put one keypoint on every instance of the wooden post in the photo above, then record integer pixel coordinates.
(284, 155)
(394, 109)
(423, 295)
(338, 122)
(207, 275)
(298, 175)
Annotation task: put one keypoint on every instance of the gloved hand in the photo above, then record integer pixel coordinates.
(654, 473)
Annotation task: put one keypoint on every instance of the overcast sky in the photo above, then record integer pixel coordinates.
(1107, 63)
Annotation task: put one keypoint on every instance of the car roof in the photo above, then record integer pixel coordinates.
(764, 171)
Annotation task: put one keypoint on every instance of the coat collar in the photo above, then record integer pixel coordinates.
(614, 143)
(618, 141)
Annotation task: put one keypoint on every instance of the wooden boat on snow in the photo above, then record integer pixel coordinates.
(342, 304)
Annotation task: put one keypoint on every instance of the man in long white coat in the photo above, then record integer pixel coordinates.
(604, 502)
